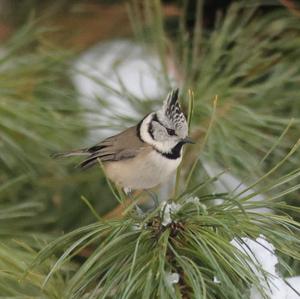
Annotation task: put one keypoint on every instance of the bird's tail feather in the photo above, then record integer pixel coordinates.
(88, 163)
(89, 160)
(80, 152)
(91, 155)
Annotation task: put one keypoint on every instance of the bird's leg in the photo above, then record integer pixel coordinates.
(129, 193)
(153, 197)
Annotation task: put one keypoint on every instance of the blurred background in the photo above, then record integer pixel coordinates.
(74, 72)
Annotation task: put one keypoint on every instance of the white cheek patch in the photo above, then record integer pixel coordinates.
(165, 147)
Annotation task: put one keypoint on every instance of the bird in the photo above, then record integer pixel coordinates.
(145, 155)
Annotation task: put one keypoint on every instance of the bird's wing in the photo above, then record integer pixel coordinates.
(125, 145)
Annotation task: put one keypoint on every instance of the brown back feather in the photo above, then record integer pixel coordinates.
(125, 145)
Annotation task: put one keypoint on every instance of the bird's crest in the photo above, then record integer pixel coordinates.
(172, 111)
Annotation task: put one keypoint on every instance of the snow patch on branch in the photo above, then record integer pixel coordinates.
(168, 210)
(172, 278)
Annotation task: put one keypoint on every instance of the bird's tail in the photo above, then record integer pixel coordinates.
(89, 160)
(78, 152)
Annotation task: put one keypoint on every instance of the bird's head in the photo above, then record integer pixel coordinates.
(166, 128)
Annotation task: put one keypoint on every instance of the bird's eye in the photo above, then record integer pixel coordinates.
(171, 132)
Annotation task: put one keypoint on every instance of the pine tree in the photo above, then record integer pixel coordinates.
(240, 81)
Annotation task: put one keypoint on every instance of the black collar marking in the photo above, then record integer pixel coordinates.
(175, 152)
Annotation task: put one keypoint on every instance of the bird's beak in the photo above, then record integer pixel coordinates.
(188, 140)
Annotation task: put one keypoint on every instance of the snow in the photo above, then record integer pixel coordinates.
(172, 278)
(263, 252)
(168, 210)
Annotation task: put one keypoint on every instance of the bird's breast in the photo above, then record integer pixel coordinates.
(144, 171)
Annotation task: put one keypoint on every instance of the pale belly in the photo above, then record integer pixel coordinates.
(142, 172)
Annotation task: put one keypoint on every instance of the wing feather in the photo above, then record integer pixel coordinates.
(125, 145)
